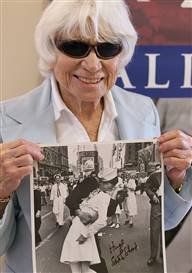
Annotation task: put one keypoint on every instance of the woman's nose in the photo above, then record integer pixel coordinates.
(92, 63)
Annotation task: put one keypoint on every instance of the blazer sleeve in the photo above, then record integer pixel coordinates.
(176, 205)
(7, 228)
(7, 223)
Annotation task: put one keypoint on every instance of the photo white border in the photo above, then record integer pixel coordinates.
(152, 140)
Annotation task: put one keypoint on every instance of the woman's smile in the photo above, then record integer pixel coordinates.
(89, 80)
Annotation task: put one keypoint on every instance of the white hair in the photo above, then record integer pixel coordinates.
(98, 20)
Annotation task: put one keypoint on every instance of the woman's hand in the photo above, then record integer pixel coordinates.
(16, 161)
(176, 148)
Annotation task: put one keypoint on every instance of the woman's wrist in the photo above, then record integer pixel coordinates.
(177, 183)
(179, 189)
(4, 200)
(3, 193)
(3, 205)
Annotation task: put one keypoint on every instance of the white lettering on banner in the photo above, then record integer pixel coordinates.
(152, 73)
(126, 82)
(186, 4)
(188, 71)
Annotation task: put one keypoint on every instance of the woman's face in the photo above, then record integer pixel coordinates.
(86, 79)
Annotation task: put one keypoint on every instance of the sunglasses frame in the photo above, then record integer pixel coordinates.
(90, 48)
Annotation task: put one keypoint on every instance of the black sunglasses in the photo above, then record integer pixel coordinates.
(78, 49)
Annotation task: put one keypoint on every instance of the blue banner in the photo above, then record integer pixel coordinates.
(159, 71)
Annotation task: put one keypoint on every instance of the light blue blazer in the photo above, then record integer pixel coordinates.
(31, 117)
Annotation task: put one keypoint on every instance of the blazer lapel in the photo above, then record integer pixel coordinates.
(41, 129)
(137, 117)
(24, 197)
(130, 128)
(30, 117)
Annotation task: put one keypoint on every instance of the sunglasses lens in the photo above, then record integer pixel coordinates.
(74, 49)
(108, 50)
(77, 49)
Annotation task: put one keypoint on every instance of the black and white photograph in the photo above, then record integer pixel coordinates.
(96, 207)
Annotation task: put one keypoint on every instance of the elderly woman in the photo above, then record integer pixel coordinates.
(82, 46)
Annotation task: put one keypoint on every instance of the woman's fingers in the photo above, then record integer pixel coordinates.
(16, 161)
(19, 148)
(178, 163)
(176, 148)
(175, 140)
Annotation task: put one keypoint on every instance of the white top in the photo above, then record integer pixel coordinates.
(64, 118)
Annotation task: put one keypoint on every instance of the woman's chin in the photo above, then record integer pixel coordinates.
(91, 96)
